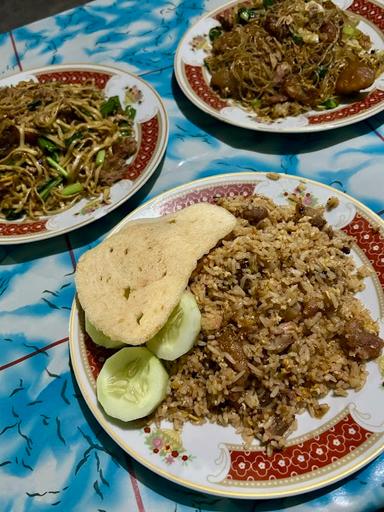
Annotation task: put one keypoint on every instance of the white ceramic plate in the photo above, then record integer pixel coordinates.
(213, 459)
(151, 127)
(194, 78)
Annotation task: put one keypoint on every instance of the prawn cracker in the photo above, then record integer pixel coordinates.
(129, 284)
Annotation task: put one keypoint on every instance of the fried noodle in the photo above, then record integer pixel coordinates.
(59, 143)
(285, 57)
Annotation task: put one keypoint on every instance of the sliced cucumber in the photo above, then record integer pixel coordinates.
(99, 337)
(131, 384)
(180, 332)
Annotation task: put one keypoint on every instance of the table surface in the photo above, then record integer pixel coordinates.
(52, 451)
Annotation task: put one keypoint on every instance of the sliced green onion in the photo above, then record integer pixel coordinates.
(111, 106)
(46, 189)
(214, 33)
(243, 14)
(74, 188)
(57, 166)
(255, 103)
(349, 31)
(330, 103)
(100, 157)
(130, 112)
(268, 3)
(47, 145)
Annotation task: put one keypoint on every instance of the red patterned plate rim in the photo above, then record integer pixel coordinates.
(246, 472)
(192, 80)
(152, 135)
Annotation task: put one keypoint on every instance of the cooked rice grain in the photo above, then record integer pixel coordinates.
(275, 297)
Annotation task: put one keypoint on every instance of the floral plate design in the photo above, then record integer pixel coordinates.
(194, 78)
(151, 126)
(213, 459)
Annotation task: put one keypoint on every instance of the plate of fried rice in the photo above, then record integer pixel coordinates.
(292, 66)
(280, 393)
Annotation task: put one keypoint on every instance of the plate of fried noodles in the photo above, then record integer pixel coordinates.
(286, 66)
(76, 141)
(279, 391)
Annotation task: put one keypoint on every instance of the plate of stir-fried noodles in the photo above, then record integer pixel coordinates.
(286, 66)
(76, 141)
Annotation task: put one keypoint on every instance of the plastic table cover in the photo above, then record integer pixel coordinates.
(53, 454)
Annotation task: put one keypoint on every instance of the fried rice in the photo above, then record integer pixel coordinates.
(281, 326)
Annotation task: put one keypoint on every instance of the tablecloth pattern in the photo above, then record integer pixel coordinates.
(53, 454)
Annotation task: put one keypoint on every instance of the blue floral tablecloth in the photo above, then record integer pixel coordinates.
(53, 455)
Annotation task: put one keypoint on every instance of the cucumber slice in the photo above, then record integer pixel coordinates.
(180, 332)
(99, 337)
(131, 384)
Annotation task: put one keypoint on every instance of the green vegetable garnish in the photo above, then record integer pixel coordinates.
(330, 103)
(58, 167)
(255, 103)
(131, 383)
(73, 137)
(130, 112)
(297, 39)
(100, 157)
(34, 104)
(47, 145)
(111, 106)
(12, 214)
(70, 190)
(47, 187)
(321, 72)
(350, 31)
(243, 14)
(268, 3)
(214, 33)
(179, 334)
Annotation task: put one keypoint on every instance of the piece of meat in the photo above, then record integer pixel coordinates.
(114, 168)
(226, 19)
(315, 216)
(364, 40)
(359, 343)
(311, 308)
(225, 42)
(273, 99)
(274, 25)
(283, 337)
(224, 81)
(292, 312)
(328, 32)
(254, 214)
(279, 426)
(231, 342)
(9, 137)
(282, 70)
(292, 88)
(354, 77)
